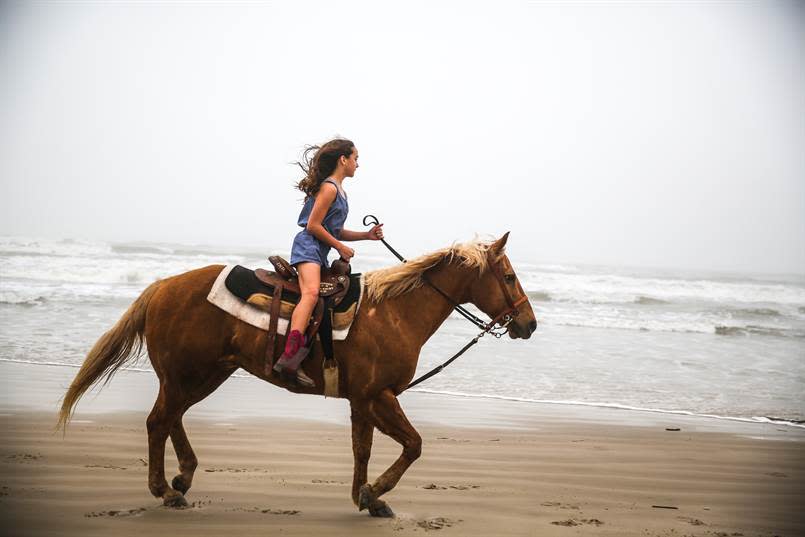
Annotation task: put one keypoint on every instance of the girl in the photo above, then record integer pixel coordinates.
(322, 219)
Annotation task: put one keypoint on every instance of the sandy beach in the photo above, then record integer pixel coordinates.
(271, 463)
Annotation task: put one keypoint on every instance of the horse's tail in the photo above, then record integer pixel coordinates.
(117, 346)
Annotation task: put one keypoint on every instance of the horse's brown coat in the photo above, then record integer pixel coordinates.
(194, 347)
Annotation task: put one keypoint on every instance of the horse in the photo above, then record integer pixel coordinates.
(195, 346)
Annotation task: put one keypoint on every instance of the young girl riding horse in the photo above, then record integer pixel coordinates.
(322, 218)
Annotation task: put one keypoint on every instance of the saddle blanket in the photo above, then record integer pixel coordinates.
(223, 298)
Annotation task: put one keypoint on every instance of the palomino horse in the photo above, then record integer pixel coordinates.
(194, 347)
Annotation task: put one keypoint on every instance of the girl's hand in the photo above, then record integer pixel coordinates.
(376, 233)
(345, 252)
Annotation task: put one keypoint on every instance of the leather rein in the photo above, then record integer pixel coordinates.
(504, 318)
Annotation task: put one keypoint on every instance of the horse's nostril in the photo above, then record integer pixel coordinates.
(532, 325)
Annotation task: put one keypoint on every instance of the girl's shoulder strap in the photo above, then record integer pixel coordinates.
(338, 188)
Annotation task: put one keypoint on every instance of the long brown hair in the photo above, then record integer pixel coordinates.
(322, 164)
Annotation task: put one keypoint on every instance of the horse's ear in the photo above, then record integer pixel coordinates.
(499, 244)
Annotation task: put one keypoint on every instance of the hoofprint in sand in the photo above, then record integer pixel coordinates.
(509, 469)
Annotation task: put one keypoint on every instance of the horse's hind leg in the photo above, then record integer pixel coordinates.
(187, 459)
(387, 416)
(168, 408)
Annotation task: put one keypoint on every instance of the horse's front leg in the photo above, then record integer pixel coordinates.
(362, 433)
(387, 416)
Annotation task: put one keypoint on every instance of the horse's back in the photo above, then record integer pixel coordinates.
(181, 321)
(184, 291)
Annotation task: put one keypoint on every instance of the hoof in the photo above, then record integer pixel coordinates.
(179, 484)
(365, 497)
(174, 500)
(383, 512)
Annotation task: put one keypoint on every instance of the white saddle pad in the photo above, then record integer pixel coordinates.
(224, 299)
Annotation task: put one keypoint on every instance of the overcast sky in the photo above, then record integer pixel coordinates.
(628, 134)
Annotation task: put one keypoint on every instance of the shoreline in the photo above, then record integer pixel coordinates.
(246, 396)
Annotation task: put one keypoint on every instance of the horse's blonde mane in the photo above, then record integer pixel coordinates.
(394, 281)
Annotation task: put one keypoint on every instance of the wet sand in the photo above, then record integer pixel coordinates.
(273, 463)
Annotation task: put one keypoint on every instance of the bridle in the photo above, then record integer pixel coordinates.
(504, 318)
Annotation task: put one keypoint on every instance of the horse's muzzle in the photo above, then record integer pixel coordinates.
(522, 330)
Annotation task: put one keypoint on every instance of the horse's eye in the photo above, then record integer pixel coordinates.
(509, 278)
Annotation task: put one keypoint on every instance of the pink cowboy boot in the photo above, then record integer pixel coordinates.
(296, 349)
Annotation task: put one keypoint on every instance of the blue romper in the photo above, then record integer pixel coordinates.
(306, 247)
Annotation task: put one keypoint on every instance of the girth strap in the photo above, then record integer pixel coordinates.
(276, 300)
(326, 329)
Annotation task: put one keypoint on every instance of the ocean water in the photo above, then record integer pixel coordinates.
(726, 345)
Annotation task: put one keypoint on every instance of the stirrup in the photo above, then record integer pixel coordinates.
(291, 362)
(297, 375)
(303, 380)
(292, 367)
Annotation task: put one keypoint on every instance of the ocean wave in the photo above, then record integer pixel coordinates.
(56, 247)
(785, 421)
(654, 325)
(150, 249)
(791, 422)
(777, 313)
(539, 296)
(74, 366)
(650, 301)
(91, 272)
(756, 330)
(126, 262)
(545, 296)
(138, 249)
(766, 312)
(568, 269)
(16, 300)
(73, 293)
(601, 288)
(106, 271)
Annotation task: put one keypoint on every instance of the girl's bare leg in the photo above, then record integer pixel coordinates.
(309, 278)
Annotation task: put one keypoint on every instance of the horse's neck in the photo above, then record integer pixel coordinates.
(423, 310)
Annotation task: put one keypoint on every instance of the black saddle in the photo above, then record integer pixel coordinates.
(243, 283)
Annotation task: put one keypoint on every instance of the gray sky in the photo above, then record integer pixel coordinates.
(628, 134)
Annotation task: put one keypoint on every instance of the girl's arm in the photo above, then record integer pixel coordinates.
(374, 234)
(348, 235)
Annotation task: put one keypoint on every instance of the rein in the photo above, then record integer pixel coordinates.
(504, 318)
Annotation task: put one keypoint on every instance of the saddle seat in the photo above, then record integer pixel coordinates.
(334, 280)
(335, 284)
